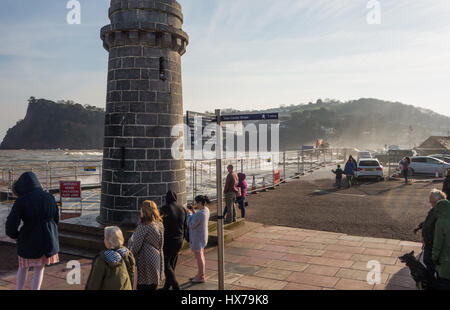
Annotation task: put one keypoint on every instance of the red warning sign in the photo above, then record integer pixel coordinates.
(70, 189)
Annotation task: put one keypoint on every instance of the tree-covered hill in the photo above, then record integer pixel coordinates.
(50, 125)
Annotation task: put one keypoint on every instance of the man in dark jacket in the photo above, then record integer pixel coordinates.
(441, 244)
(38, 237)
(175, 226)
(428, 228)
(446, 186)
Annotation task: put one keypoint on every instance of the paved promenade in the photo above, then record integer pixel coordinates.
(281, 258)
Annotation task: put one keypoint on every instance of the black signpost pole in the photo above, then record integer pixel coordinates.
(219, 202)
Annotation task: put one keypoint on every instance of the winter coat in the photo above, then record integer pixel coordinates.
(198, 229)
(349, 168)
(147, 246)
(428, 227)
(174, 218)
(37, 210)
(242, 184)
(112, 270)
(441, 244)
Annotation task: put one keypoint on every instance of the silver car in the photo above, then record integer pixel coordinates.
(428, 165)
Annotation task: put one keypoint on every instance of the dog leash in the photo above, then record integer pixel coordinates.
(420, 256)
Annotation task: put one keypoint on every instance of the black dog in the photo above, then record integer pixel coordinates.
(424, 279)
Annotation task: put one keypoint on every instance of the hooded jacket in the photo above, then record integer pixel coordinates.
(38, 211)
(242, 184)
(441, 245)
(174, 218)
(112, 270)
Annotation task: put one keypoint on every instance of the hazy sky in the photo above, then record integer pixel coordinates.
(242, 54)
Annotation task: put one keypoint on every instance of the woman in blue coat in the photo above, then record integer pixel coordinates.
(37, 239)
(349, 171)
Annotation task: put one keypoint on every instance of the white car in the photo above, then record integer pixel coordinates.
(369, 168)
(428, 165)
(364, 155)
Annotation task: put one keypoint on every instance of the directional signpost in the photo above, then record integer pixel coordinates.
(222, 119)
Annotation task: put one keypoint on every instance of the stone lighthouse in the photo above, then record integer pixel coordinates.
(144, 101)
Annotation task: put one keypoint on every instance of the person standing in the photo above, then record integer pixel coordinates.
(112, 269)
(198, 220)
(242, 188)
(405, 168)
(37, 239)
(230, 192)
(175, 225)
(146, 244)
(441, 244)
(446, 186)
(338, 172)
(355, 164)
(428, 227)
(349, 171)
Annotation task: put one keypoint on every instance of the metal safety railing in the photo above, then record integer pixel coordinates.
(50, 173)
(261, 170)
(200, 174)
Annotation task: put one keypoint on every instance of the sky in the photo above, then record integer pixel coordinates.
(242, 54)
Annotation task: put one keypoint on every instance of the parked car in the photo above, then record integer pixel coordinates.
(369, 168)
(443, 157)
(364, 154)
(428, 165)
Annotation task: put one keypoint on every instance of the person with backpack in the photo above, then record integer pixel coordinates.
(113, 269)
(37, 239)
(175, 225)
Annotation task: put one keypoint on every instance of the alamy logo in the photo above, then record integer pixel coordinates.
(74, 15)
(200, 142)
(74, 275)
(374, 15)
(374, 275)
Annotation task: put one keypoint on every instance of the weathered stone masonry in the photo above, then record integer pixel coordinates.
(144, 101)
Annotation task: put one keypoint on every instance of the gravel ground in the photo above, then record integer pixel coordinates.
(385, 209)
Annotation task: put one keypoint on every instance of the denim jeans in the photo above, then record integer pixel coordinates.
(241, 202)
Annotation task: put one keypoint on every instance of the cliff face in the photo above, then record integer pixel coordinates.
(50, 125)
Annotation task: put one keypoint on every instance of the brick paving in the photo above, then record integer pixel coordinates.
(282, 258)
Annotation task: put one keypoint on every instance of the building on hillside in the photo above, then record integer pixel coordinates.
(435, 145)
